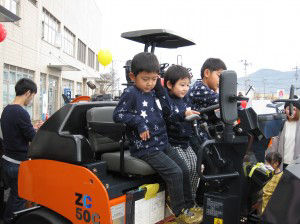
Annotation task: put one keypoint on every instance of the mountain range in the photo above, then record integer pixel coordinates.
(269, 81)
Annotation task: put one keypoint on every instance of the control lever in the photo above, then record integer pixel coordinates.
(210, 108)
(291, 100)
(200, 155)
(238, 98)
(193, 118)
(292, 92)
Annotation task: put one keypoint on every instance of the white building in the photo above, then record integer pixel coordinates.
(55, 43)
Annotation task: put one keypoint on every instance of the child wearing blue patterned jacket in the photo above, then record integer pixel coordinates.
(177, 81)
(204, 92)
(139, 109)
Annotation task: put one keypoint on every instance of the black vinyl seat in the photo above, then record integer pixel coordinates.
(105, 137)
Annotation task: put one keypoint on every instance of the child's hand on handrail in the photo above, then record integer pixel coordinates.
(145, 135)
(190, 112)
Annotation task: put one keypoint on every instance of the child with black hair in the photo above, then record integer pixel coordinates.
(177, 81)
(146, 131)
(273, 159)
(204, 92)
(17, 132)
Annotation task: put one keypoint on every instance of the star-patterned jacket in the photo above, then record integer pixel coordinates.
(140, 112)
(179, 131)
(202, 96)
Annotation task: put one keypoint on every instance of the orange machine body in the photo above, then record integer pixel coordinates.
(69, 190)
(81, 99)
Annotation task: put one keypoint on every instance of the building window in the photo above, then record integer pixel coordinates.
(91, 61)
(51, 27)
(11, 75)
(97, 63)
(52, 94)
(79, 89)
(81, 51)
(69, 42)
(43, 93)
(11, 5)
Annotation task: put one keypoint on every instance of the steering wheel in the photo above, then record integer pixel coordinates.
(210, 108)
(194, 117)
(291, 100)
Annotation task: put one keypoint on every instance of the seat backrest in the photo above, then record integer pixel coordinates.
(63, 137)
(100, 114)
(104, 133)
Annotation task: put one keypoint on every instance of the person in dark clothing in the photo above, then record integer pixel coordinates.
(176, 82)
(18, 132)
(146, 131)
(204, 92)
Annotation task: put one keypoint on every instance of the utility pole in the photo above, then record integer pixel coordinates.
(245, 64)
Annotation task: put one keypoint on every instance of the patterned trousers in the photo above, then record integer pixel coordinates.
(175, 173)
(190, 158)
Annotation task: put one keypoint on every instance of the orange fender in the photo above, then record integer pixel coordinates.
(70, 190)
(81, 98)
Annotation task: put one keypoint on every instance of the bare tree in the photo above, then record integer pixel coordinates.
(107, 82)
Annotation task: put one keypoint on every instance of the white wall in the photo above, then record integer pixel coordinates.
(25, 48)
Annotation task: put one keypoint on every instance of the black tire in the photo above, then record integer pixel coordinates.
(42, 216)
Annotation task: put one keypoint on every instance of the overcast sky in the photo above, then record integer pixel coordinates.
(265, 32)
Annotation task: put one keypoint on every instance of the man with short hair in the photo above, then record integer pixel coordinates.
(18, 132)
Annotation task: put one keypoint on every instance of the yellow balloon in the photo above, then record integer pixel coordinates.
(104, 57)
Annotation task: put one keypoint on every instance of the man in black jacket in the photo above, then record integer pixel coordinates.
(18, 132)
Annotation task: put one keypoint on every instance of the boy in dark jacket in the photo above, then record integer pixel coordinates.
(146, 131)
(177, 81)
(204, 92)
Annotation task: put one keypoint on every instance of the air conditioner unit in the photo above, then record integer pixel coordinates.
(58, 40)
